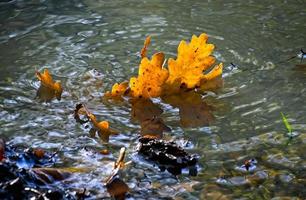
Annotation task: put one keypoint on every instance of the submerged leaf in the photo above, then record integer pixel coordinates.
(144, 109)
(117, 188)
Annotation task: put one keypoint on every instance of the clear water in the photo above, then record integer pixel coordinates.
(73, 37)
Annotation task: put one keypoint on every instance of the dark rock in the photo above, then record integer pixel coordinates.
(168, 155)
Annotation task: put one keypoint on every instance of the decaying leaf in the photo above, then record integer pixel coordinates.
(118, 90)
(192, 60)
(48, 88)
(151, 77)
(147, 42)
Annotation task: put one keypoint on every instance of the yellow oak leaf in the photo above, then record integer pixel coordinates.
(118, 90)
(151, 77)
(47, 82)
(192, 60)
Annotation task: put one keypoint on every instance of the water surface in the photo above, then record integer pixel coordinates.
(71, 38)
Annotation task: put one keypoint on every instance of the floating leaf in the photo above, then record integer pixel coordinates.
(102, 127)
(48, 88)
(192, 60)
(118, 90)
(151, 77)
(104, 131)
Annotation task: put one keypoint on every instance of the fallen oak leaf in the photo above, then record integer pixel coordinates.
(103, 129)
(192, 60)
(118, 90)
(150, 79)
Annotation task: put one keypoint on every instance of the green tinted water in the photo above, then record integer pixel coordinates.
(73, 37)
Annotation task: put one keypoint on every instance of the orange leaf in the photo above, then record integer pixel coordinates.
(54, 89)
(143, 52)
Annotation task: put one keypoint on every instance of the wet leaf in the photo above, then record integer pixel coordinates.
(50, 175)
(286, 123)
(118, 90)
(103, 129)
(117, 189)
(48, 88)
(192, 60)
(147, 42)
(168, 155)
(150, 79)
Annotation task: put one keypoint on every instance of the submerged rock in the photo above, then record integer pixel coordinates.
(168, 155)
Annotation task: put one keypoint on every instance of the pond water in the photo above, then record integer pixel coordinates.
(71, 38)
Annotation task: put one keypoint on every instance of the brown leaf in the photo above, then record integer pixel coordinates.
(50, 175)
(117, 188)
